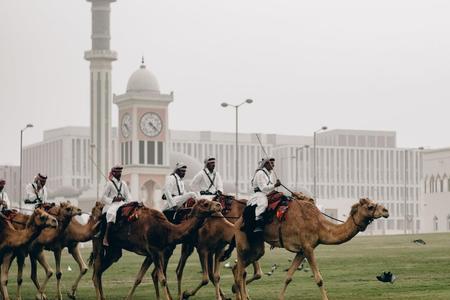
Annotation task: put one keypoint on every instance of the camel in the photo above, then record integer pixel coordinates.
(73, 234)
(152, 234)
(210, 244)
(303, 229)
(14, 238)
(63, 213)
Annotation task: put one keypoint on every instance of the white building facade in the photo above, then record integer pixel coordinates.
(436, 190)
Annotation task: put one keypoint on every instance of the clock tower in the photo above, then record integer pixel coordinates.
(144, 135)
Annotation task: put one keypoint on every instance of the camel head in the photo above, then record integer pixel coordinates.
(365, 211)
(97, 210)
(67, 210)
(43, 219)
(204, 207)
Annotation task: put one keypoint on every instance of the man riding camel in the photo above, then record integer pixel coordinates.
(208, 182)
(263, 183)
(174, 194)
(115, 195)
(35, 193)
(4, 200)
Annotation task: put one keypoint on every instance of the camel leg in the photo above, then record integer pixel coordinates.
(144, 267)
(57, 254)
(20, 264)
(159, 260)
(309, 254)
(48, 274)
(203, 257)
(75, 251)
(186, 251)
(257, 274)
(294, 266)
(100, 266)
(6, 264)
(214, 274)
(239, 278)
(156, 283)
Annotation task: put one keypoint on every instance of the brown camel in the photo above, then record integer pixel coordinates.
(303, 229)
(210, 244)
(152, 234)
(63, 213)
(74, 234)
(14, 238)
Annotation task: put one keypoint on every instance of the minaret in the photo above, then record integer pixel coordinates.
(100, 57)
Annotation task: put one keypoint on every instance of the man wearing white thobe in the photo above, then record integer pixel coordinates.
(174, 193)
(208, 182)
(4, 200)
(35, 193)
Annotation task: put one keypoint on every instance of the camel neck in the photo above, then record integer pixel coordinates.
(334, 234)
(186, 228)
(29, 233)
(82, 232)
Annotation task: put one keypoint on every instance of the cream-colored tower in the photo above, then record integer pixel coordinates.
(100, 58)
(144, 135)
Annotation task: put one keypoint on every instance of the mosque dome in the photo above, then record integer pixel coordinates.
(142, 80)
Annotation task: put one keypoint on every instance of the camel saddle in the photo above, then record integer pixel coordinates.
(46, 206)
(129, 212)
(278, 204)
(226, 201)
(9, 214)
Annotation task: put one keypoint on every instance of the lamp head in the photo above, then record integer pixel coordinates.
(29, 125)
(224, 104)
(249, 101)
(324, 128)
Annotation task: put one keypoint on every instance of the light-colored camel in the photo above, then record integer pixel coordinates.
(74, 234)
(148, 236)
(63, 213)
(13, 238)
(303, 229)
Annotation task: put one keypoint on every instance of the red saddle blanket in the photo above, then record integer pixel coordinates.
(9, 214)
(130, 211)
(278, 205)
(46, 206)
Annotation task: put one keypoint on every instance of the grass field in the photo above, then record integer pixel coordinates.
(349, 270)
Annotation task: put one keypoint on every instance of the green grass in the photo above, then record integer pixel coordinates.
(348, 270)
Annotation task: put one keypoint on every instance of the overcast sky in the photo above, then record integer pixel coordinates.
(381, 65)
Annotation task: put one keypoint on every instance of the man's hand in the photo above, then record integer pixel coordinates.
(278, 183)
(118, 199)
(219, 193)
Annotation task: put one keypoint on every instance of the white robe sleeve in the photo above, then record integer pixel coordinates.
(196, 182)
(29, 191)
(106, 198)
(168, 188)
(44, 194)
(219, 183)
(262, 182)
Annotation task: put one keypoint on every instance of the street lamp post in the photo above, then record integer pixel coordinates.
(296, 164)
(20, 168)
(224, 104)
(92, 172)
(323, 128)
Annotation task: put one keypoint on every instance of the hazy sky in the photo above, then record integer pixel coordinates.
(382, 65)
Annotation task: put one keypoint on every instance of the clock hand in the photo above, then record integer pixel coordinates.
(154, 127)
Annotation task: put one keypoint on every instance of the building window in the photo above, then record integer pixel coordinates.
(436, 224)
(160, 153)
(141, 152)
(150, 152)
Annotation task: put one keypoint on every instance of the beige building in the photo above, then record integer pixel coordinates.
(11, 175)
(436, 190)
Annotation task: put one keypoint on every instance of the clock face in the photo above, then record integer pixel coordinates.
(151, 124)
(126, 125)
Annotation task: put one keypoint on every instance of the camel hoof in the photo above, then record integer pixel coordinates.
(71, 296)
(186, 295)
(41, 297)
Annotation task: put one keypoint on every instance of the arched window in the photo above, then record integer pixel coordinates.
(435, 223)
(444, 183)
(448, 222)
(425, 183)
(432, 184)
